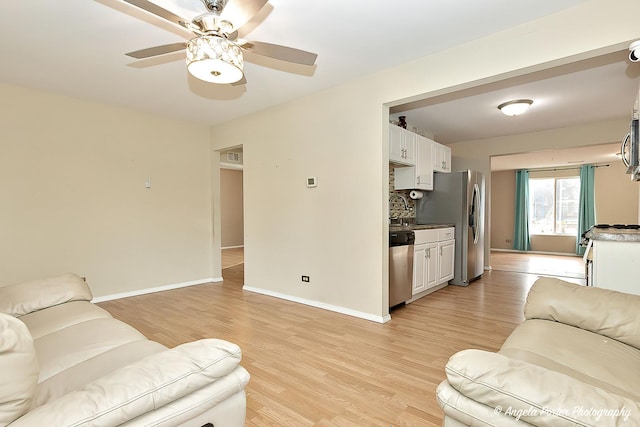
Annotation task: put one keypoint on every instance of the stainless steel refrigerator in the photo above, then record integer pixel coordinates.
(458, 198)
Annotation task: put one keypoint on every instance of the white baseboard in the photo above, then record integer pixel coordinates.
(232, 247)
(535, 252)
(427, 292)
(317, 304)
(153, 290)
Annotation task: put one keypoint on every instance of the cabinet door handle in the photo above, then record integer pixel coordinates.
(427, 253)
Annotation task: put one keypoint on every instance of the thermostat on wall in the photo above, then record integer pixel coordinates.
(312, 182)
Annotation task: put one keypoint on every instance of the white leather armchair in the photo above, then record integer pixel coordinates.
(575, 361)
(67, 362)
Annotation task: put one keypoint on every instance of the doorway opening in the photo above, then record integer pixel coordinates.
(232, 214)
(468, 120)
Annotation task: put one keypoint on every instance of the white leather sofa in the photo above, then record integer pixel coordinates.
(575, 361)
(66, 362)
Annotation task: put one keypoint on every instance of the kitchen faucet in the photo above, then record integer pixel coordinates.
(404, 201)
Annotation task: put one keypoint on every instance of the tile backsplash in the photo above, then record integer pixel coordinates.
(396, 206)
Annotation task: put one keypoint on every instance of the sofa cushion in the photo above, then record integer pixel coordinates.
(536, 395)
(67, 347)
(605, 312)
(461, 411)
(52, 319)
(591, 358)
(27, 297)
(147, 385)
(18, 369)
(77, 376)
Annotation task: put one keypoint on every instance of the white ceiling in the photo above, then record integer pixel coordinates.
(76, 48)
(602, 88)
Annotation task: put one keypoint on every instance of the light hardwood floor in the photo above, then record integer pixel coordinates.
(232, 257)
(314, 367)
(567, 267)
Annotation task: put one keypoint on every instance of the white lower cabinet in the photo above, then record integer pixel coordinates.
(425, 267)
(433, 258)
(431, 264)
(615, 266)
(446, 252)
(419, 269)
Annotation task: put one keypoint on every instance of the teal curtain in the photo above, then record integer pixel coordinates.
(521, 239)
(587, 207)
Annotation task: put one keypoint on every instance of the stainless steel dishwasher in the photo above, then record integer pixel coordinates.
(400, 266)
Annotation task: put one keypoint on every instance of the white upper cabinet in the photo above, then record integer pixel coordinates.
(424, 168)
(420, 176)
(402, 146)
(441, 158)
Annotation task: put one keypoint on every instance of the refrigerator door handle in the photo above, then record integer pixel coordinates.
(473, 216)
(625, 142)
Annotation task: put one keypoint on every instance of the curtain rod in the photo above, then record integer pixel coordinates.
(564, 169)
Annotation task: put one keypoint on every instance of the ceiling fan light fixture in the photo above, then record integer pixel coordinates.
(214, 59)
(515, 107)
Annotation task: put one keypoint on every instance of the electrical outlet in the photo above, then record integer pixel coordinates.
(305, 279)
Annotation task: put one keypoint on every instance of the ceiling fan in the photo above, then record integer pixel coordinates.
(215, 53)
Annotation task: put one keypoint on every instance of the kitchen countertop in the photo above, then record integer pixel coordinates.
(418, 227)
(613, 234)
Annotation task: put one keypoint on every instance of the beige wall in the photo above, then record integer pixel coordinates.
(477, 154)
(232, 233)
(73, 173)
(502, 206)
(337, 233)
(616, 199)
(72, 179)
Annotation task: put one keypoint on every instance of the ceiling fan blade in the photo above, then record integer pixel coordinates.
(280, 52)
(157, 50)
(156, 10)
(238, 12)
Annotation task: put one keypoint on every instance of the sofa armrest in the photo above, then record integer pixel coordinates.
(535, 394)
(605, 312)
(468, 412)
(144, 386)
(24, 298)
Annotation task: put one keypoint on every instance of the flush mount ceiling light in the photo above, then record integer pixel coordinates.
(214, 59)
(634, 51)
(515, 107)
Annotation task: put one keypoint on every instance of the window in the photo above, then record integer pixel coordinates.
(553, 205)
